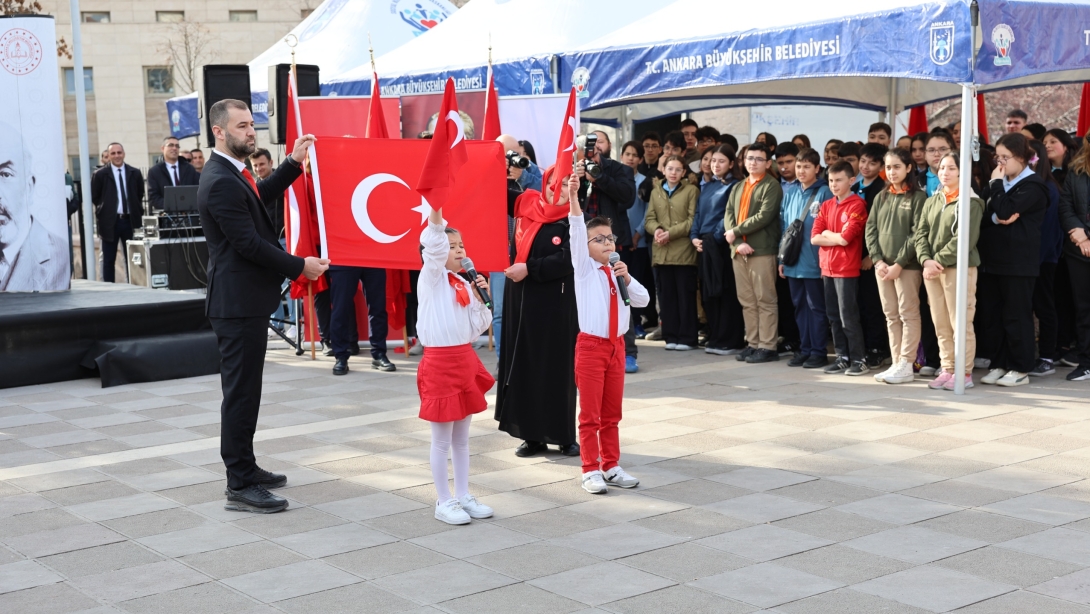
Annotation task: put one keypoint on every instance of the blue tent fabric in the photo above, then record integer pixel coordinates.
(1030, 41)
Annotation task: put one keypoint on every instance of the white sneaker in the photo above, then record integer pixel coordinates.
(451, 512)
(417, 349)
(594, 483)
(900, 373)
(926, 371)
(993, 376)
(475, 508)
(982, 363)
(617, 477)
(881, 375)
(671, 346)
(1013, 378)
(272, 334)
(681, 347)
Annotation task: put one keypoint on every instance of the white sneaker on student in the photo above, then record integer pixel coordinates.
(881, 375)
(594, 483)
(1013, 378)
(993, 376)
(475, 508)
(417, 349)
(900, 373)
(451, 512)
(617, 477)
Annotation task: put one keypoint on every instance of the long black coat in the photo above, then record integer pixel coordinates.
(104, 197)
(536, 389)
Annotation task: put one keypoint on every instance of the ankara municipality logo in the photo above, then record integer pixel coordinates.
(20, 52)
(942, 42)
(580, 80)
(537, 81)
(1002, 38)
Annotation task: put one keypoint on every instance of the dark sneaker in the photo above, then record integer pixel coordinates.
(760, 356)
(858, 367)
(815, 362)
(1044, 367)
(876, 359)
(1080, 374)
(746, 353)
(797, 360)
(269, 479)
(1071, 358)
(785, 348)
(254, 498)
(383, 364)
(840, 366)
(530, 448)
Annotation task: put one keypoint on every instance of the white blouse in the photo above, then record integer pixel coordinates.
(440, 320)
(592, 291)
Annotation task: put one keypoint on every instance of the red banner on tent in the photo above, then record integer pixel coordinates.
(373, 216)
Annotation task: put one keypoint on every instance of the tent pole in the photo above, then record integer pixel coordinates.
(968, 102)
(88, 240)
(891, 111)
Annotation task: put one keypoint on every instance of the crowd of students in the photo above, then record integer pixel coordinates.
(769, 249)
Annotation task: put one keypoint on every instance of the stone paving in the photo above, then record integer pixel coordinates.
(763, 488)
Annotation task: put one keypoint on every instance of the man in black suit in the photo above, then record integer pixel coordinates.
(117, 191)
(173, 171)
(245, 268)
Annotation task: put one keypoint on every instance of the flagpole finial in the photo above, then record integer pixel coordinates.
(292, 40)
(371, 50)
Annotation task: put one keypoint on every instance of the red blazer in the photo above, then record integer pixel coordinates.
(848, 217)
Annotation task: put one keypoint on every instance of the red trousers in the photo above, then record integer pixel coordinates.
(599, 376)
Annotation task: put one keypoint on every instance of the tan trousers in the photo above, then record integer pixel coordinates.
(941, 294)
(901, 304)
(755, 278)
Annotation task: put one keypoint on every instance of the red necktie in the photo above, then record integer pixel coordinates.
(250, 178)
(612, 302)
(461, 293)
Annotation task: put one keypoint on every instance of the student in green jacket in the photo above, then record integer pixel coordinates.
(669, 219)
(937, 249)
(890, 232)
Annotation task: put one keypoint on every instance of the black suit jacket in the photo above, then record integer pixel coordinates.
(104, 197)
(246, 264)
(616, 190)
(159, 178)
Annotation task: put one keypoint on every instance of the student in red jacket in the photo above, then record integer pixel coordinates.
(838, 233)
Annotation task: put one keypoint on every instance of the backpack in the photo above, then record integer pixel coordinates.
(792, 241)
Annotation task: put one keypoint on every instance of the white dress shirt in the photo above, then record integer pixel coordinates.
(440, 320)
(592, 291)
(119, 179)
(238, 164)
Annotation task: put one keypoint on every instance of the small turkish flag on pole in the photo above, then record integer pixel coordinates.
(447, 153)
(565, 148)
(492, 129)
(376, 120)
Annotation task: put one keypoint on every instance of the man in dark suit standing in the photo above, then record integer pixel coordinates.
(246, 266)
(117, 191)
(173, 171)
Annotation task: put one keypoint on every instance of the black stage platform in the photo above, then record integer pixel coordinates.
(121, 332)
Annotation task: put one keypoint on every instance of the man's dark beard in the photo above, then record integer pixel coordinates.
(240, 148)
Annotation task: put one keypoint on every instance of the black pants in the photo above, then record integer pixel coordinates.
(322, 311)
(677, 300)
(1012, 298)
(1065, 306)
(989, 317)
(871, 315)
(122, 233)
(726, 324)
(842, 307)
(929, 339)
(1044, 307)
(788, 327)
(242, 343)
(639, 266)
(343, 283)
(1079, 273)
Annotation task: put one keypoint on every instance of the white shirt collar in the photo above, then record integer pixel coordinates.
(238, 165)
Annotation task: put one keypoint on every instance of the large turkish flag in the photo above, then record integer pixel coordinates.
(372, 216)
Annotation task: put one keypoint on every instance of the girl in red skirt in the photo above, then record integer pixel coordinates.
(451, 379)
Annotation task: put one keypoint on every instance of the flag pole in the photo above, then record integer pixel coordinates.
(299, 132)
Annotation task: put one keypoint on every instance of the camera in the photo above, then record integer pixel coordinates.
(591, 168)
(514, 159)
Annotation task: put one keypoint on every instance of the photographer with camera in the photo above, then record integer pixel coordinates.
(520, 168)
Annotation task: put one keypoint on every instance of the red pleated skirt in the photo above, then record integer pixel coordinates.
(452, 383)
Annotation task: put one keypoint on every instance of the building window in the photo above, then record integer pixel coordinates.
(70, 81)
(304, 13)
(169, 16)
(242, 15)
(74, 167)
(96, 16)
(159, 80)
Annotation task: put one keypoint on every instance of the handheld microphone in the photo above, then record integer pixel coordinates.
(622, 287)
(467, 264)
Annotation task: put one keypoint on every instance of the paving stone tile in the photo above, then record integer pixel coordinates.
(141, 581)
(208, 597)
(1022, 602)
(825, 492)
(552, 523)
(511, 504)
(533, 560)
(1015, 479)
(204, 538)
(685, 562)
(23, 575)
(766, 585)
(22, 504)
(325, 492)
(983, 526)
(697, 465)
(196, 494)
(334, 540)
(979, 430)
(291, 521)
(409, 525)
(1071, 587)
(846, 601)
(62, 439)
(761, 507)
(1041, 508)
(914, 544)
(678, 599)
(1070, 463)
(814, 442)
(760, 478)
(996, 453)
(933, 588)
(958, 493)
(1007, 566)
(141, 467)
(945, 466)
(898, 509)
(875, 453)
(1058, 544)
(819, 465)
(616, 541)
(695, 492)
(7, 555)
(518, 478)
(174, 479)
(88, 493)
(833, 525)
(47, 599)
(601, 583)
(513, 598)
(567, 492)
(64, 539)
(240, 560)
(289, 581)
(59, 480)
(34, 522)
(625, 507)
(443, 582)
(887, 478)
(764, 542)
(692, 523)
(395, 478)
(843, 564)
(156, 523)
(348, 599)
(100, 559)
(369, 506)
(119, 507)
(759, 454)
(1047, 441)
(387, 560)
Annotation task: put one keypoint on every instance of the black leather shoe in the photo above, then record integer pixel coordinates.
(341, 367)
(570, 449)
(254, 498)
(383, 364)
(327, 348)
(355, 349)
(269, 479)
(530, 448)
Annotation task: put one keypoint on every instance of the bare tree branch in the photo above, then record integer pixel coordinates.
(187, 49)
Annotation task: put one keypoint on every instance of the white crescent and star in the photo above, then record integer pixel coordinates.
(459, 124)
(571, 123)
(362, 194)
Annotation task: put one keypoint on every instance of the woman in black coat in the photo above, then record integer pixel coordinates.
(1075, 220)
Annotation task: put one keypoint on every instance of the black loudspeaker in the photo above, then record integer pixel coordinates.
(220, 82)
(278, 95)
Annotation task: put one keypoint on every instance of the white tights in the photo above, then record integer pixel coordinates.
(444, 436)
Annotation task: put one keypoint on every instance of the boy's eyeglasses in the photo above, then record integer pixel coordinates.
(942, 150)
(603, 239)
(758, 160)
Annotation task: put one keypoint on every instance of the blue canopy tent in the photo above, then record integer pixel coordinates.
(898, 53)
(335, 38)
